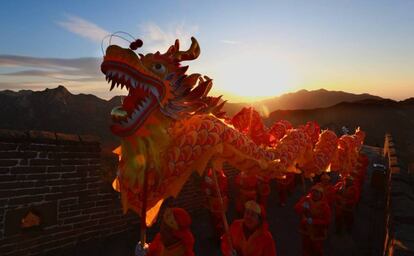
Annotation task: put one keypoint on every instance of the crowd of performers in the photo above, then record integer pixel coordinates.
(249, 235)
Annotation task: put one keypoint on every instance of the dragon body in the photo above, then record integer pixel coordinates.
(170, 127)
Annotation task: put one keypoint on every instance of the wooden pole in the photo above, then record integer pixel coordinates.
(223, 214)
(303, 182)
(143, 236)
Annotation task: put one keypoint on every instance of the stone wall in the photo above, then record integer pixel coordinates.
(52, 194)
(399, 224)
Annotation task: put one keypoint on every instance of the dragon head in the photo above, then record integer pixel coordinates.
(157, 87)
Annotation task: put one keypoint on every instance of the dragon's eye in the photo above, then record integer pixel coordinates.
(158, 67)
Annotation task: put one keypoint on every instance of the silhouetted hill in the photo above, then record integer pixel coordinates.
(302, 99)
(57, 110)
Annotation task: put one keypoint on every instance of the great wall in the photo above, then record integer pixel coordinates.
(53, 198)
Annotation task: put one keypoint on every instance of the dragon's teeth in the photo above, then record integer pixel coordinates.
(134, 114)
(155, 92)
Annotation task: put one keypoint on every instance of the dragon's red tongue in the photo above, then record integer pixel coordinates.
(129, 103)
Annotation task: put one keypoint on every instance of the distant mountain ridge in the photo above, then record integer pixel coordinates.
(58, 110)
(302, 99)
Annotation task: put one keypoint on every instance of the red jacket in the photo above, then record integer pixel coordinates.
(285, 183)
(247, 186)
(210, 189)
(263, 186)
(156, 248)
(209, 186)
(260, 243)
(320, 214)
(346, 197)
(328, 192)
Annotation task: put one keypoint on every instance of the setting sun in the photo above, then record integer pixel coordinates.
(251, 73)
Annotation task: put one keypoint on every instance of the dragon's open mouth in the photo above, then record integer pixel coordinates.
(143, 96)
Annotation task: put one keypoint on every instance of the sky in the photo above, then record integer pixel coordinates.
(251, 49)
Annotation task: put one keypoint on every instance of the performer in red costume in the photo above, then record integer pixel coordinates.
(175, 237)
(315, 216)
(360, 171)
(249, 236)
(263, 189)
(284, 186)
(345, 200)
(247, 190)
(213, 203)
(328, 189)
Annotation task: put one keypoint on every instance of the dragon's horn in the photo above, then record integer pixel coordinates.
(173, 49)
(192, 53)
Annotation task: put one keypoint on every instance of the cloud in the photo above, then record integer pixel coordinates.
(156, 38)
(83, 28)
(83, 75)
(230, 42)
(159, 39)
(25, 68)
(24, 86)
(28, 61)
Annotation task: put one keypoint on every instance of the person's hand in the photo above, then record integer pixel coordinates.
(141, 250)
(208, 191)
(306, 205)
(233, 253)
(310, 221)
(209, 180)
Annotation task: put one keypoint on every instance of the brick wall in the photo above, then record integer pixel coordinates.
(57, 177)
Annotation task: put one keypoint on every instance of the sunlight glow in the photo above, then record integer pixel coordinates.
(247, 74)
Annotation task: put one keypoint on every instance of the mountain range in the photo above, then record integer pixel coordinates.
(59, 110)
(302, 99)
